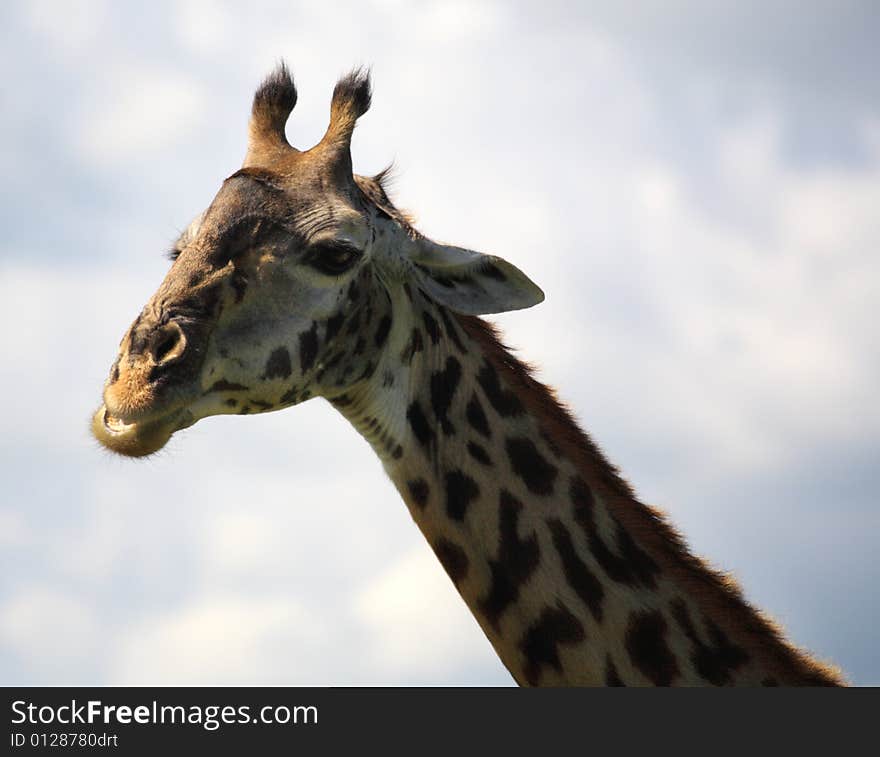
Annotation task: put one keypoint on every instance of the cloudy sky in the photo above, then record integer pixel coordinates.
(695, 185)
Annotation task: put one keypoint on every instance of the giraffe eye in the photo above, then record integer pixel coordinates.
(332, 258)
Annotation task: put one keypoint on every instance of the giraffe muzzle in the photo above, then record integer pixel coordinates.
(148, 391)
(131, 439)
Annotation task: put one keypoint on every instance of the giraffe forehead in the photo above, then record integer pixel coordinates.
(304, 207)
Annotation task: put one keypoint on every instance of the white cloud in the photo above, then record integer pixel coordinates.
(458, 20)
(205, 27)
(242, 540)
(14, 532)
(95, 305)
(138, 113)
(71, 29)
(416, 625)
(49, 630)
(870, 130)
(658, 192)
(765, 317)
(218, 640)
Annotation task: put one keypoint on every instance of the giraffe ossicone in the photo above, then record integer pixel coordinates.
(303, 280)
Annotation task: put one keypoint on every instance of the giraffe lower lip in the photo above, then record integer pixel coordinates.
(115, 425)
(133, 439)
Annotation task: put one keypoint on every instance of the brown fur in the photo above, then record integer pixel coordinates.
(132, 392)
(276, 97)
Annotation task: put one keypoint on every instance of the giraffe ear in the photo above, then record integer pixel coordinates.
(470, 282)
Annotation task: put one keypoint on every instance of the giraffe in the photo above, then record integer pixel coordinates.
(302, 280)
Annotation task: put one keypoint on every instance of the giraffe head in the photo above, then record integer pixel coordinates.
(284, 288)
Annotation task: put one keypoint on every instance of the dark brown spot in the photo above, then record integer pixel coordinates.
(419, 491)
(333, 326)
(477, 418)
(611, 676)
(431, 327)
(278, 364)
(222, 385)
(461, 490)
(419, 424)
(516, 561)
(505, 402)
(646, 644)
(577, 573)
(308, 347)
(452, 558)
(555, 626)
(443, 387)
(531, 466)
(382, 331)
(478, 453)
(715, 661)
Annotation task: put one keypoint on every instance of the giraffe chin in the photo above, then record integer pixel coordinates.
(136, 438)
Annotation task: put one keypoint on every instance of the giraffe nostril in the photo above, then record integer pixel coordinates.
(168, 344)
(164, 347)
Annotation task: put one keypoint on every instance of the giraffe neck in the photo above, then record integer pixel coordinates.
(572, 579)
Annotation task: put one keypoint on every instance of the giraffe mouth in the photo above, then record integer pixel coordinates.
(137, 438)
